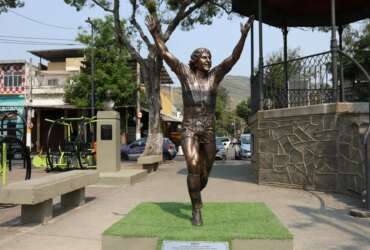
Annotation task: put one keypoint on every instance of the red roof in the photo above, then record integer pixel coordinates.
(304, 13)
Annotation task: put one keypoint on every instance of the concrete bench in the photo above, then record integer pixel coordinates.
(36, 195)
(150, 162)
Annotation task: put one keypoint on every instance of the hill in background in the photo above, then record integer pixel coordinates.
(238, 88)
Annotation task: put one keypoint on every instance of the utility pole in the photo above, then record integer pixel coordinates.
(138, 106)
(89, 21)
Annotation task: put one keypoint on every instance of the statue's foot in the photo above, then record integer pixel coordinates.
(197, 218)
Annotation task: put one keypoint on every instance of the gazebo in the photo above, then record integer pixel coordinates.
(306, 132)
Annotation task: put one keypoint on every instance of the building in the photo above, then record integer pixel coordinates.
(16, 77)
(47, 91)
(46, 96)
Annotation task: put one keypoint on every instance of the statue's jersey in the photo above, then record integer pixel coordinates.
(199, 100)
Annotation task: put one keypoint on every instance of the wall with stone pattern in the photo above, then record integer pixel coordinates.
(317, 147)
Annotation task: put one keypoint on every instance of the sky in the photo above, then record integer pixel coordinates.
(220, 37)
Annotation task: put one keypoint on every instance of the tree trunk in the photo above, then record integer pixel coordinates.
(155, 136)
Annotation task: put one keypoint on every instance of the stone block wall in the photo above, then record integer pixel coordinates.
(317, 147)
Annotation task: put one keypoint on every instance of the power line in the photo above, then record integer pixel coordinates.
(40, 22)
(37, 38)
(24, 42)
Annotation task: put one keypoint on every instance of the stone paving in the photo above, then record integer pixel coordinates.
(317, 220)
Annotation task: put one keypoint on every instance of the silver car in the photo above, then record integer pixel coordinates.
(245, 145)
(220, 150)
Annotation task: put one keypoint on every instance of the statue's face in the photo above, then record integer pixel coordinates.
(204, 62)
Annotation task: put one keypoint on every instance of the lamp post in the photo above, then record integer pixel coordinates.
(89, 21)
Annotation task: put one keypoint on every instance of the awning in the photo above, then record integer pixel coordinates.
(58, 54)
(170, 118)
(304, 13)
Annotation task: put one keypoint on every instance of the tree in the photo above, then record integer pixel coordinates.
(243, 109)
(226, 119)
(10, 4)
(170, 13)
(274, 75)
(111, 69)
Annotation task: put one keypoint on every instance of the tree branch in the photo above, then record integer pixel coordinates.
(122, 40)
(223, 7)
(181, 15)
(105, 8)
(137, 26)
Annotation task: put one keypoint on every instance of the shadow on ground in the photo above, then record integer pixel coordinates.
(231, 170)
(338, 219)
(57, 211)
(176, 209)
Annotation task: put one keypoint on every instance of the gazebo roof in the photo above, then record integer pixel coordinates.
(304, 13)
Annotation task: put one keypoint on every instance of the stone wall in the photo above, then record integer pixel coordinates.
(317, 147)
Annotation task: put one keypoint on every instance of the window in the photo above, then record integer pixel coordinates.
(52, 82)
(12, 79)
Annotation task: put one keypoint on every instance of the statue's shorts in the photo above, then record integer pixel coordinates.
(199, 128)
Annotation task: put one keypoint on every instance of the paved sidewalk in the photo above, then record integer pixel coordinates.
(317, 220)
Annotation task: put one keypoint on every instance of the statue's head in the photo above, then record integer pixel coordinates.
(201, 59)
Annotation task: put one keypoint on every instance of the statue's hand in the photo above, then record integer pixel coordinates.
(244, 28)
(152, 24)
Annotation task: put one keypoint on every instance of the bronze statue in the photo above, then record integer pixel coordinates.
(199, 91)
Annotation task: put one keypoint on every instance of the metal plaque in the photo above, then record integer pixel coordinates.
(194, 245)
(106, 132)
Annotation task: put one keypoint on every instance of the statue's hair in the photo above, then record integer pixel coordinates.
(196, 55)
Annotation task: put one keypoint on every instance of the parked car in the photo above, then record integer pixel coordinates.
(220, 150)
(226, 141)
(245, 145)
(133, 150)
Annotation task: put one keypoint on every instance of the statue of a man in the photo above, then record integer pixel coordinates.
(199, 91)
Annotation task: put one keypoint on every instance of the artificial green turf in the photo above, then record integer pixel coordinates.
(222, 222)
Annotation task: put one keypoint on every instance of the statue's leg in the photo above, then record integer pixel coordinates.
(208, 153)
(190, 147)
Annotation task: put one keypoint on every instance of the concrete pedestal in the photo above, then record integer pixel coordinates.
(108, 141)
(109, 152)
(38, 213)
(73, 199)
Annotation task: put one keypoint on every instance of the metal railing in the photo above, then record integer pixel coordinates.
(303, 81)
(308, 82)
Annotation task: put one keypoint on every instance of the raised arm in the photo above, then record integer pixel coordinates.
(226, 65)
(154, 29)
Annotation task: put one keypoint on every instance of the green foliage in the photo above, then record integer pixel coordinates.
(274, 76)
(10, 4)
(111, 69)
(227, 122)
(166, 10)
(243, 110)
(357, 44)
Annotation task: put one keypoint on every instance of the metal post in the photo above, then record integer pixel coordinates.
(367, 171)
(92, 78)
(340, 31)
(260, 56)
(252, 51)
(286, 77)
(138, 108)
(4, 165)
(334, 49)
